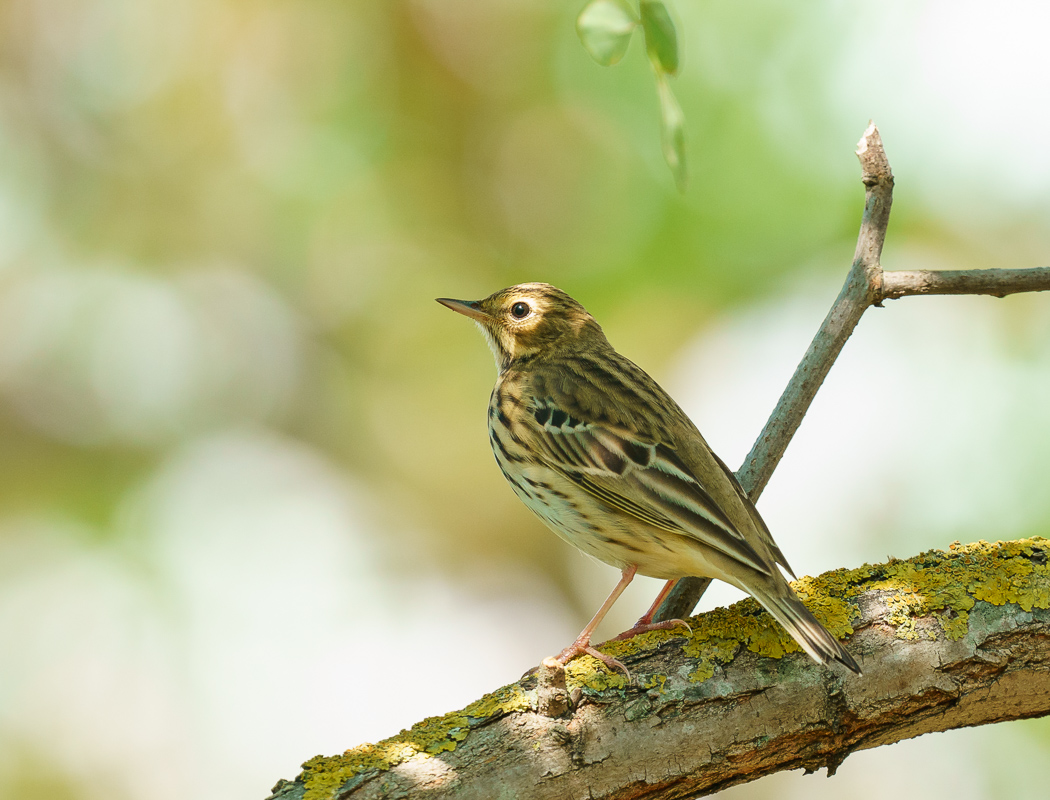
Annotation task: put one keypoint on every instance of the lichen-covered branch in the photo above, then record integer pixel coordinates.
(946, 640)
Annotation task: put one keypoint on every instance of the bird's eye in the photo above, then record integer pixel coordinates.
(520, 310)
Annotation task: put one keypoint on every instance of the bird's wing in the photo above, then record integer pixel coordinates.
(635, 474)
(760, 524)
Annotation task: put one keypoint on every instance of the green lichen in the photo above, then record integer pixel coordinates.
(830, 607)
(592, 675)
(708, 652)
(322, 776)
(655, 681)
(926, 595)
(954, 627)
(720, 634)
(941, 587)
(930, 593)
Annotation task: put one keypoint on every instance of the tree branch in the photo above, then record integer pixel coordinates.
(996, 282)
(946, 640)
(859, 291)
(866, 285)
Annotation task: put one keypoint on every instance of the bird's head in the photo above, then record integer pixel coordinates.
(529, 319)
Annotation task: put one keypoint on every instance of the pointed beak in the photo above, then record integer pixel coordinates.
(468, 308)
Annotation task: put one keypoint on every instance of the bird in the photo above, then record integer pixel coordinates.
(611, 464)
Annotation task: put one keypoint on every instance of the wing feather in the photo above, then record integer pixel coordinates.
(644, 479)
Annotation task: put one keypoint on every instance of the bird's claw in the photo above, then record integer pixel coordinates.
(579, 648)
(645, 627)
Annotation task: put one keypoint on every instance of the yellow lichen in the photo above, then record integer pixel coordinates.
(771, 641)
(654, 681)
(708, 652)
(322, 776)
(944, 586)
(502, 701)
(954, 627)
(590, 673)
(929, 593)
(830, 608)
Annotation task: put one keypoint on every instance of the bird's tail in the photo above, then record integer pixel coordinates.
(814, 638)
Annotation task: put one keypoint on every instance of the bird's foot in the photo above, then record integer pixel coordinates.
(642, 626)
(583, 646)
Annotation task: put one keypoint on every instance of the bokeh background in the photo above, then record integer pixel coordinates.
(247, 508)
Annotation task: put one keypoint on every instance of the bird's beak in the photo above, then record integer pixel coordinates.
(468, 308)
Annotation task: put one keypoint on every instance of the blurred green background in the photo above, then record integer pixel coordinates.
(245, 488)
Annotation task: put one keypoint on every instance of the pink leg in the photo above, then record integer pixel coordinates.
(646, 622)
(583, 641)
(647, 618)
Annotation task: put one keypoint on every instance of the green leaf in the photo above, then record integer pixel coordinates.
(672, 124)
(605, 28)
(661, 41)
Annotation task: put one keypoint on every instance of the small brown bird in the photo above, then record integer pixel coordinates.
(604, 456)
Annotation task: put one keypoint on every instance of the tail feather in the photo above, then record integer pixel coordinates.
(811, 636)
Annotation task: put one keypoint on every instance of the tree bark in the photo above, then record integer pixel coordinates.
(946, 640)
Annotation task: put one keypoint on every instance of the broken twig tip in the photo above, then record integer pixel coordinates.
(869, 139)
(552, 699)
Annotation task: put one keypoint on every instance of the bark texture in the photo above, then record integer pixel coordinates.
(946, 640)
(995, 282)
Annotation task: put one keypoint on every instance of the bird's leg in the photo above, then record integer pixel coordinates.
(583, 641)
(646, 623)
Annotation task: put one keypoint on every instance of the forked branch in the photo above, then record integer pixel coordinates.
(866, 285)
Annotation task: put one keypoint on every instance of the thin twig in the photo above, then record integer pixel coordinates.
(859, 291)
(996, 282)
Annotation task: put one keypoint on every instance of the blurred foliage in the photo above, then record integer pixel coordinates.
(239, 212)
(605, 28)
(236, 214)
